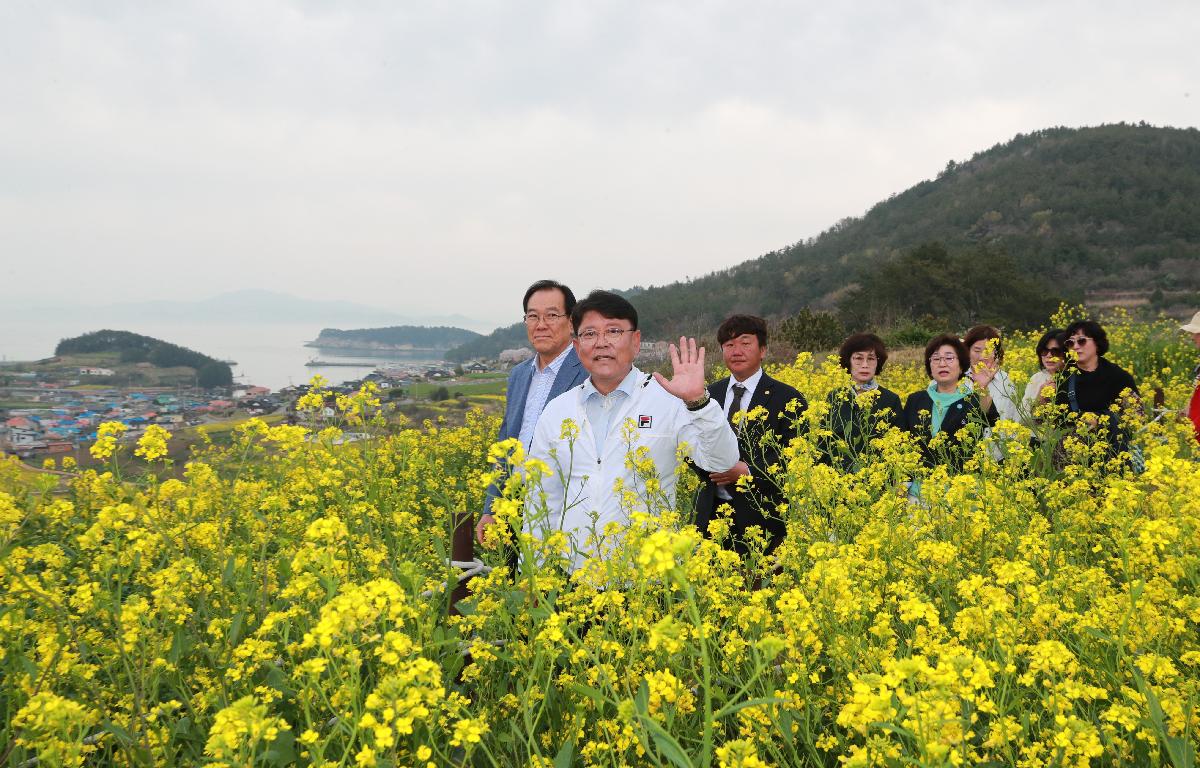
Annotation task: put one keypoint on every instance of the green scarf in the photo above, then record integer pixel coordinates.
(941, 404)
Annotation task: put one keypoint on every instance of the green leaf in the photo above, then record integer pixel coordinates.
(666, 743)
(181, 726)
(124, 737)
(465, 607)
(282, 750)
(1181, 753)
(283, 566)
(565, 755)
(729, 710)
(235, 627)
(588, 691)
(277, 678)
(178, 643)
(642, 700)
(785, 720)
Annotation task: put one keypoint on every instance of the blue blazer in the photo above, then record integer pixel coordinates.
(570, 374)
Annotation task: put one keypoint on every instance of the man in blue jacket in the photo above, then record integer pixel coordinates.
(553, 369)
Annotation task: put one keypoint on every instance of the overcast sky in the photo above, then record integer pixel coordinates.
(439, 156)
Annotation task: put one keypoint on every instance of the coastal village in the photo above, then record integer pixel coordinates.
(39, 415)
(47, 415)
(50, 413)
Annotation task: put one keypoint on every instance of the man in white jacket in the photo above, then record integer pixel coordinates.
(617, 411)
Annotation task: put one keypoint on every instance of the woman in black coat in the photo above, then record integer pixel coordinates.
(1092, 386)
(862, 410)
(945, 406)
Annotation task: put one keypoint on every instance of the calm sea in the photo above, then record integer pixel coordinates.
(266, 355)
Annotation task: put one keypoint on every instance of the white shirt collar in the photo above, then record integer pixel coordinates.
(626, 386)
(554, 364)
(751, 383)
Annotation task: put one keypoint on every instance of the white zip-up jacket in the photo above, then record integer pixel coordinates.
(581, 483)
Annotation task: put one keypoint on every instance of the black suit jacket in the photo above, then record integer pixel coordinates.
(967, 411)
(757, 506)
(851, 426)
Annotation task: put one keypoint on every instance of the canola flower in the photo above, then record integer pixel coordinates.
(152, 445)
(107, 435)
(283, 601)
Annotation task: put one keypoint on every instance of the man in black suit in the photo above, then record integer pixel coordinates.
(743, 340)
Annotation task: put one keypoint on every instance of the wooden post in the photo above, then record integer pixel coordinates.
(462, 549)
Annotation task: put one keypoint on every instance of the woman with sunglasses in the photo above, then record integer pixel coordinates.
(1051, 355)
(1092, 384)
(947, 406)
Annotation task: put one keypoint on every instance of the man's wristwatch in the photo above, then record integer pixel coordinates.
(695, 405)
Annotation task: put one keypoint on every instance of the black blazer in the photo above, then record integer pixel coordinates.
(853, 426)
(774, 396)
(918, 412)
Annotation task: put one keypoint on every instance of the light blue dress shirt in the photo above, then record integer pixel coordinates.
(539, 391)
(600, 408)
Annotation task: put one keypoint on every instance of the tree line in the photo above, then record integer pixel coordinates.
(426, 337)
(136, 348)
(996, 238)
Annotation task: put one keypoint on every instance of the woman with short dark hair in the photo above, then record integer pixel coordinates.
(1093, 385)
(862, 410)
(947, 406)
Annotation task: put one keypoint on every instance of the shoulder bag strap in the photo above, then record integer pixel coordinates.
(1071, 398)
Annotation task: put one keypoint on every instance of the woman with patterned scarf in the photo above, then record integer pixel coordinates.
(948, 406)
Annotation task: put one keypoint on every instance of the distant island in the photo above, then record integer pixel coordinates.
(394, 338)
(125, 355)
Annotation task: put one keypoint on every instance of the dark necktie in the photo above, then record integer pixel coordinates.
(737, 406)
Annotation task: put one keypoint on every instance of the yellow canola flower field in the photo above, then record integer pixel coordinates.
(284, 600)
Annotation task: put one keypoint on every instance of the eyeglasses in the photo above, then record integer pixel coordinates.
(943, 358)
(611, 335)
(1077, 341)
(1052, 352)
(533, 318)
(860, 358)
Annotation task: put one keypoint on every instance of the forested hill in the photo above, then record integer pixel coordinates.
(1091, 209)
(396, 336)
(130, 347)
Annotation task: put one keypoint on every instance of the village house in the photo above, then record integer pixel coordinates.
(514, 356)
(71, 418)
(21, 433)
(654, 350)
